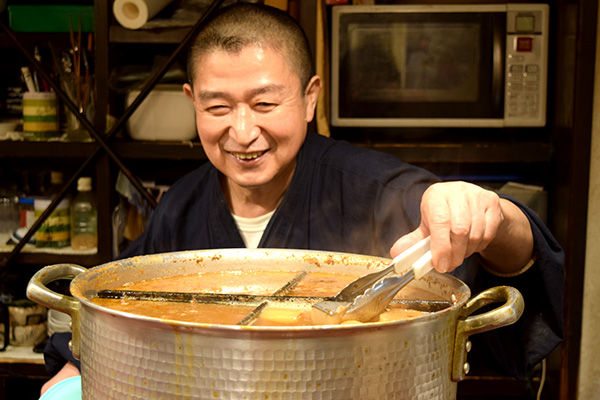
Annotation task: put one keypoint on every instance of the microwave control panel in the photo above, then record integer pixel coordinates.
(526, 65)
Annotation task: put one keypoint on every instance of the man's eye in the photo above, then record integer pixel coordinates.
(217, 109)
(265, 106)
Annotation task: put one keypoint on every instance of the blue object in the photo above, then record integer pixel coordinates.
(26, 200)
(68, 389)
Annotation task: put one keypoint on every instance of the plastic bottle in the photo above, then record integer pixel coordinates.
(84, 217)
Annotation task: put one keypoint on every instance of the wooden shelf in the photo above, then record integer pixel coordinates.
(21, 355)
(21, 366)
(29, 40)
(119, 34)
(86, 260)
(160, 150)
(466, 152)
(125, 149)
(15, 149)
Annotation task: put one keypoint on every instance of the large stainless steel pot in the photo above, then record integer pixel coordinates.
(126, 356)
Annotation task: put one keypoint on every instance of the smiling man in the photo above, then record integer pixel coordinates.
(271, 184)
(251, 119)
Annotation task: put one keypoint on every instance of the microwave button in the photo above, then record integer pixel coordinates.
(531, 88)
(532, 78)
(513, 57)
(515, 78)
(513, 98)
(516, 68)
(532, 68)
(524, 44)
(515, 86)
(512, 110)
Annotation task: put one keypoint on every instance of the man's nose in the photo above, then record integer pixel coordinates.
(243, 128)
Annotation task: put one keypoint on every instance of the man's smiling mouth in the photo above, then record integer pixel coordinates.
(248, 156)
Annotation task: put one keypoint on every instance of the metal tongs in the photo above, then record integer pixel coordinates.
(367, 297)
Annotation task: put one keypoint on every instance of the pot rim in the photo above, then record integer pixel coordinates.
(316, 259)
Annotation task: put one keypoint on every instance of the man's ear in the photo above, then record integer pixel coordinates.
(187, 89)
(311, 95)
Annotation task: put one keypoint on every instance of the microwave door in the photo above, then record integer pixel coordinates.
(411, 67)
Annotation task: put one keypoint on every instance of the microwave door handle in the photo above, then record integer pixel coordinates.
(498, 68)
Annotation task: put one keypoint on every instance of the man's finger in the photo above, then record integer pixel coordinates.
(408, 240)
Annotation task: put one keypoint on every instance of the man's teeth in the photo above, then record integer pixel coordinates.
(247, 156)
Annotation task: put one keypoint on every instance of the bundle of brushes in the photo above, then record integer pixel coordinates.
(73, 69)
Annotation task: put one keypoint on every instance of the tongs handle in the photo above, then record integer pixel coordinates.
(422, 266)
(417, 257)
(407, 257)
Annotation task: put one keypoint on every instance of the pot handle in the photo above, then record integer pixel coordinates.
(38, 291)
(506, 314)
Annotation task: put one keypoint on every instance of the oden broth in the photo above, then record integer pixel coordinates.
(314, 284)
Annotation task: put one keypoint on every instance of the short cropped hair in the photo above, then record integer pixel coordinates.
(235, 27)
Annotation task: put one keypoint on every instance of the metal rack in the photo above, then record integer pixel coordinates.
(102, 141)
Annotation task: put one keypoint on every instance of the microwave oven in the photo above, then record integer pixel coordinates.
(479, 65)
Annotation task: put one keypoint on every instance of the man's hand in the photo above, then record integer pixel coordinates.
(463, 219)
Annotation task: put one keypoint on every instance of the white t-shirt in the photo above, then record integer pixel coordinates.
(252, 229)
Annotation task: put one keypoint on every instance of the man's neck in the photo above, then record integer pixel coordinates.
(253, 202)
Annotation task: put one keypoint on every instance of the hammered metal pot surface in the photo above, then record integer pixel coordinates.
(125, 356)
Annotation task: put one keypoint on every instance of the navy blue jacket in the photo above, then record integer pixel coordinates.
(341, 198)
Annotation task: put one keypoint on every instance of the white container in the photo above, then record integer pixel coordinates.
(58, 322)
(166, 114)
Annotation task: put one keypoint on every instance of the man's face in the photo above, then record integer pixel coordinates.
(251, 115)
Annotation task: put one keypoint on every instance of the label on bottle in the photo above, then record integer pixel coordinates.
(55, 231)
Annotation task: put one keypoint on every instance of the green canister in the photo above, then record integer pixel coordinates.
(55, 231)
